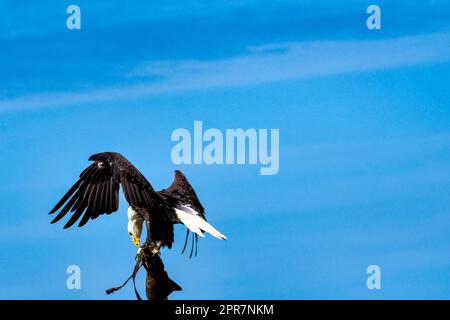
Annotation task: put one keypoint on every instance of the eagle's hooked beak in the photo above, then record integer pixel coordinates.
(135, 240)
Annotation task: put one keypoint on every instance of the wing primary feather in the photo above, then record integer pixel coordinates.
(109, 197)
(185, 241)
(96, 206)
(74, 218)
(79, 211)
(133, 195)
(148, 200)
(92, 194)
(82, 189)
(196, 244)
(66, 196)
(111, 200)
(87, 215)
(66, 208)
(116, 197)
(192, 246)
(133, 191)
(90, 205)
(126, 192)
(101, 201)
(138, 196)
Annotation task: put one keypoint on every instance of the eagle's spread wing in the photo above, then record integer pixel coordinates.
(181, 197)
(182, 190)
(97, 190)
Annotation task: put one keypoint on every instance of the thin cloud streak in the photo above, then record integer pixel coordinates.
(264, 64)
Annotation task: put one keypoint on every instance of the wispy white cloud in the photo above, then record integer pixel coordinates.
(263, 64)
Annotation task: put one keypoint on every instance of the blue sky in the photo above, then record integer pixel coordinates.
(364, 121)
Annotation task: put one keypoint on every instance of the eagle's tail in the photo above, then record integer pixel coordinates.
(181, 197)
(196, 223)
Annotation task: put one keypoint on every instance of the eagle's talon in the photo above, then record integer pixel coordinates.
(155, 251)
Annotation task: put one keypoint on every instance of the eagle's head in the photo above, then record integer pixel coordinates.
(135, 224)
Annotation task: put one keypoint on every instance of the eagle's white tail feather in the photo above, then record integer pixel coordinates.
(189, 221)
(194, 222)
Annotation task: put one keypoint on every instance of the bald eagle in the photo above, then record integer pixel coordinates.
(96, 192)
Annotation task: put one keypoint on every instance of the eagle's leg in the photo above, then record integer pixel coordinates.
(149, 235)
(153, 246)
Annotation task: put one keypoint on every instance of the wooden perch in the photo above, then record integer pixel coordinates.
(158, 285)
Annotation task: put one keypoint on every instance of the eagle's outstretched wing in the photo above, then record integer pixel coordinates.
(182, 199)
(97, 191)
(182, 189)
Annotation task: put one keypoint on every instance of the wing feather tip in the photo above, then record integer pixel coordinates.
(83, 222)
